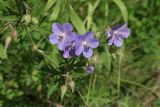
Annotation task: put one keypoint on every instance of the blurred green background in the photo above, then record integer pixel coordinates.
(32, 71)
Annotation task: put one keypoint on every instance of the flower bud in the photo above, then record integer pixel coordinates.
(72, 85)
(89, 69)
(35, 20)
(7, 41)
(39, 88)
(14, 34)
(58, 105)
(27, 18)
(96, 59)
(63, 91)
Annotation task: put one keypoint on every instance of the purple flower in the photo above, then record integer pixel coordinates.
(85, 43)
(116, 35)
(89, 69)
(70, 45)
(60, 34)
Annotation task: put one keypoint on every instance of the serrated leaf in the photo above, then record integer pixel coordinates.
(122, 8)
(55, 11)
(76, 21)
(51, 90)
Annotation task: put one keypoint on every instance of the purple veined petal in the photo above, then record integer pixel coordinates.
(93, 43)
(88, 53)
(71, 37)
(69, 40)
(79, 39)
(118, 41)
(110, 41)
(124, 32)
(122, 26)
(79, 49)
(72, 53)
(57, 28)
(89, 35)
(66, 54)
(61, 46)
(108, 33)
(53, 39)
(67, 27)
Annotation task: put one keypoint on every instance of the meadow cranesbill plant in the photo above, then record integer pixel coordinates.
(60, 34)
(85, 44)
(116, 35)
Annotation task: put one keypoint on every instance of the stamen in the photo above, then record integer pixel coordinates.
(84, 43)
(63, 34)
(115, 32)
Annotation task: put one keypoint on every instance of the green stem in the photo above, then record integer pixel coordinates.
(28, 34)
(140, 85)
(43, 54)
(102, 35)
(119, 76)
(82, 97)
(67, 65)
(36, 49)
(88, 94)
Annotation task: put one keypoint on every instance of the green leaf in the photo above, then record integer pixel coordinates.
(122, 8)
(51, 90)
(55, 11)
(54, 56)
(49, 4)
(75, 19)
(106, 9)
(156, 103)
(3, 4)
(91, 9)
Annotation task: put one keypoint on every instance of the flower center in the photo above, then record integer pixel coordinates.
(115, 32)
(84, 43)
(62, 37)
(63, 34)
(72, 45)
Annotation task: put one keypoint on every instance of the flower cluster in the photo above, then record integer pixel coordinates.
(116, 35)
(72, 44)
